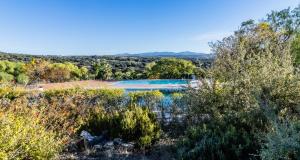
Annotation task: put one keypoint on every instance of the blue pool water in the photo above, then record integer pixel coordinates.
(153, 82)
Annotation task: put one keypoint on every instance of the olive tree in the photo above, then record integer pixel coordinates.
(252, 76)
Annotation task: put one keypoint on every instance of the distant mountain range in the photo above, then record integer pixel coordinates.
(186, 54)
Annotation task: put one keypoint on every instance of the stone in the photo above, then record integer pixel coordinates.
(81, 145)
(87, 136)
(127, 145)
(117, 141)
(109, 145)
(98, 147)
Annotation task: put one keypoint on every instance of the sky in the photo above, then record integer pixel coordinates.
(96, 27)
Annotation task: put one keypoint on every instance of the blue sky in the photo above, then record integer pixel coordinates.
(89, 27)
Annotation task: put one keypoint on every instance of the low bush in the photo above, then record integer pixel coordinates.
(132, 124)
(10, 92)
(22, 79)
(5, 77)
(216, 141)
(150, 99)
(110, 99)
(24, 137)
(282, 142)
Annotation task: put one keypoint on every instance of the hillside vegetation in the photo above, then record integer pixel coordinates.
(39, 70)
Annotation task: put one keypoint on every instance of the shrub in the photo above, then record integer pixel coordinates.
(282, 142)
(10, 71)
(23, 137)
(216, 141)
(253, 69)
(133, 124)
(5, 77)
(22, 79)
(11, 93)
(150, 99)
(108, 98)
(140, 125)
(178, 103)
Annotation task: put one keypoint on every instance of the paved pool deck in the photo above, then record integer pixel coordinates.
(95, 84)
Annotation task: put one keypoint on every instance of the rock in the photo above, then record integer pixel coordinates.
(72, 147)
(98, 147)
(92, 140)
(87, 136)
(98, 140)
(127, 145)
(81, 144)
(109, 145)
(117, 141)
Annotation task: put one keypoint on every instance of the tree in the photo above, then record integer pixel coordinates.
(169, 68)
(103, 70)
(37, 70)
(84, 73)
(119, 75)
(59, 72)
(286, 21)
(295, 49)
(252, 76)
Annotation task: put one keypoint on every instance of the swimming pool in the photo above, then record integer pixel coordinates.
(152, 84)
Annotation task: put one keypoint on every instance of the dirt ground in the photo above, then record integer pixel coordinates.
(87, 84)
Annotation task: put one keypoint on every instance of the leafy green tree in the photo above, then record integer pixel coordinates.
(103, 70)
(84, 73)
(295, 49)
(169, 68)
(37, 70)
(58, 72)
(119, 75)
(286, 21)
(252, 75)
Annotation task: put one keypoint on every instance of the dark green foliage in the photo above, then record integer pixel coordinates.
(170, 68)
(282, 141)
(103, 70)
(131, 124)
(217, 141)
(252, 76)
(68, 68)
(295, 49)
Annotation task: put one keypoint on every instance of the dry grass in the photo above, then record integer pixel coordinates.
(87, 84)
